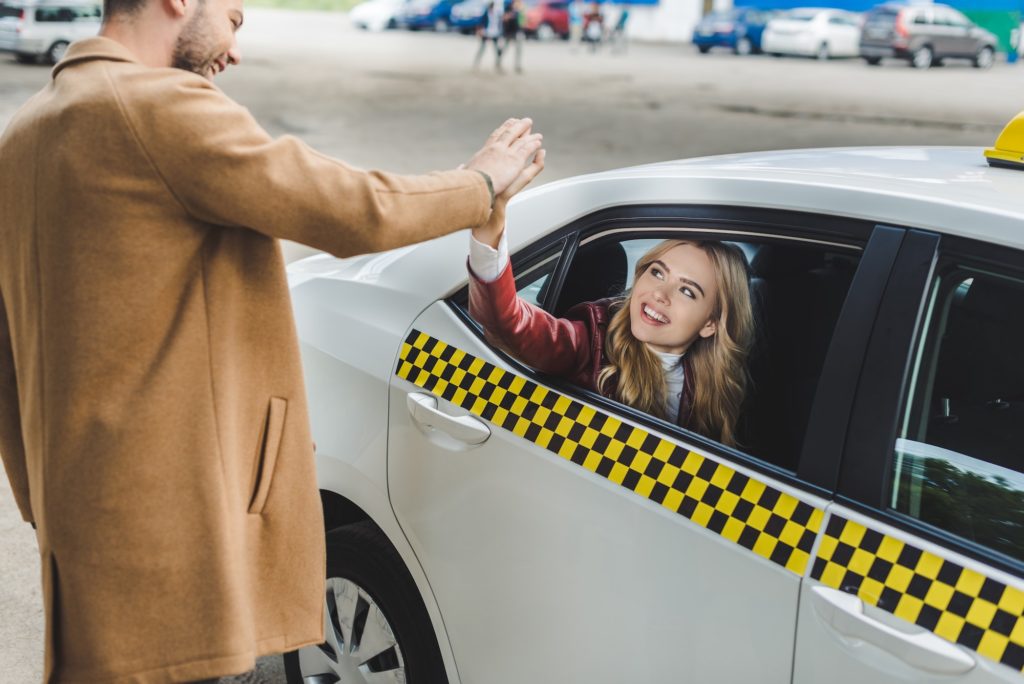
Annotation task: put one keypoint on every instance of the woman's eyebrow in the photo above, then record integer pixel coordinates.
(686, 281)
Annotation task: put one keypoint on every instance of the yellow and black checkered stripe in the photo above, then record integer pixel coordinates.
(771, 523)
(958, 604)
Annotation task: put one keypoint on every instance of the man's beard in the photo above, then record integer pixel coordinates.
(191, 51)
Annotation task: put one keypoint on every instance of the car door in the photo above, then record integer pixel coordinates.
(918, 576)
(569, 538)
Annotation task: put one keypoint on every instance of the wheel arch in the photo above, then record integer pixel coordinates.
(340, 510)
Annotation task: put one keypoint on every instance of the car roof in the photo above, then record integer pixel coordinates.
(943, 189)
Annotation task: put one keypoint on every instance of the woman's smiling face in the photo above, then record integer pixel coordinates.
(673, 300)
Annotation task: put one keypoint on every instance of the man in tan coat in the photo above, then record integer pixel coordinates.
(153, 419)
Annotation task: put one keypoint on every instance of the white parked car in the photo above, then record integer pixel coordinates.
(44, 29)
(489, 524)
(813, 32)
(375, 15)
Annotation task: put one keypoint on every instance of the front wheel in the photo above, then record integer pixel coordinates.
(703, 49)
(743, 46)
(375, 623)
(822, 53)
(873, 61)
(545, 32)
(56, 51)
(441, 26)
(984, 58)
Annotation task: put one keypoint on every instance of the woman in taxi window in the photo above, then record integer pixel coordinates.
(675, 345)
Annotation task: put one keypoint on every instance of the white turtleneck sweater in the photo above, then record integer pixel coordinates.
(488, 263)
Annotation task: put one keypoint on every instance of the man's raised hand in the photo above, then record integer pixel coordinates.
(507, 153)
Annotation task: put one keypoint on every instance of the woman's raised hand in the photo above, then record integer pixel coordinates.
(490, 232)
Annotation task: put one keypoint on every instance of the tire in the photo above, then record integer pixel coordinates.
(441, 26)
(822, 54)
(56, 51)
(873, 61)
(984, 58)
(703, 49)
(546, 32)
(366, 578)
(743, 46)
(922, 57)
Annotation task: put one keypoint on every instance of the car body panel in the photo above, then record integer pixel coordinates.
(491, 520)
(376, 15)
(828, 649)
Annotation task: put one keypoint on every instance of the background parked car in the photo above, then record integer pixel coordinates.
(426, 14)
(738, 29)
(468, 15)
(376, 15)
(924, 35)
(547, 20)
(813, 32)
(45, 29)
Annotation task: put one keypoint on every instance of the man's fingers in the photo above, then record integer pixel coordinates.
(493, 137)
(518, 128)
(526, 175)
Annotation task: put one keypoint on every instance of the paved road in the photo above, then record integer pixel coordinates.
(410, 103)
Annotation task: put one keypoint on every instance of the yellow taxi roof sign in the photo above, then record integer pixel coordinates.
(1009, 148)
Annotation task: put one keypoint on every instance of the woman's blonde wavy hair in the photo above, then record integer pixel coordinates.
(718, 363)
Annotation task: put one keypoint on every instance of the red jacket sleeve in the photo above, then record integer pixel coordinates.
(553, 345)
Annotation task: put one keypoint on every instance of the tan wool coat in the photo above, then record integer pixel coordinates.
(153, 420)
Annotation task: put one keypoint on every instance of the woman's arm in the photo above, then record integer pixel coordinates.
(532, 335)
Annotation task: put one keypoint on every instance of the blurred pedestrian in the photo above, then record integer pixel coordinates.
(490, 31)
(617, 36)
(576, 12)
(153, 420)
(512, 30)
(593, 26)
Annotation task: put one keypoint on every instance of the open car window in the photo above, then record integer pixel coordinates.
(797, 292)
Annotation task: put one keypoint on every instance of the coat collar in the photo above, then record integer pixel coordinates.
(95, 48)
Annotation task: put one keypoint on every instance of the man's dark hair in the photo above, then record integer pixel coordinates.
(124, 7)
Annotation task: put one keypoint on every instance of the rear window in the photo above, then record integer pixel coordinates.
(67, 14)
(882, 16)
(9, 11)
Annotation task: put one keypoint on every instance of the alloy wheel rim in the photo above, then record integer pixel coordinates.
(985, 58)
(743, 46)
(923, 58)
(360, 646)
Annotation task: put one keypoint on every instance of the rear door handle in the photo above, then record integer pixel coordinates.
(466, 429)
(923, 650)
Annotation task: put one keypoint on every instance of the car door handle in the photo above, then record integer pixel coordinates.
(923, 650)
(467, 429)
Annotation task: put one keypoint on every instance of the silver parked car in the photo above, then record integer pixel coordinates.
(32, 29)
(924, 35)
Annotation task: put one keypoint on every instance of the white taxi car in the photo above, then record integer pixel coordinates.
(488, 524)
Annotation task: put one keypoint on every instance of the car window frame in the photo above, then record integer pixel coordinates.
(713, 221)
(865, 482)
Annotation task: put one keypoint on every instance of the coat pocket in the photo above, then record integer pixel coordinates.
(270, 444)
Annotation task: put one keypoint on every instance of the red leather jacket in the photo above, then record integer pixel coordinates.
(570, 347)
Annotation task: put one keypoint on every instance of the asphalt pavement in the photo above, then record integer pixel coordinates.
(409, 102)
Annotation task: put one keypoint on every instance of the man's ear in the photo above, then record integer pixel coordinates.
(709, 329)
(178, 8)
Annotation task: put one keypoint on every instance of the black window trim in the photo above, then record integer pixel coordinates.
(707, 219)
(865, 477)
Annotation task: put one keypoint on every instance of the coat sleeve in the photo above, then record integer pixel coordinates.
(225, 169)
(12, 445)
(553, 345)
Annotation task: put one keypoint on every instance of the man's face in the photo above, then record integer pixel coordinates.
(207, 43)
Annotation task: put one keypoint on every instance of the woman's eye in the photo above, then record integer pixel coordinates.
(688, 292)
(656, 272)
